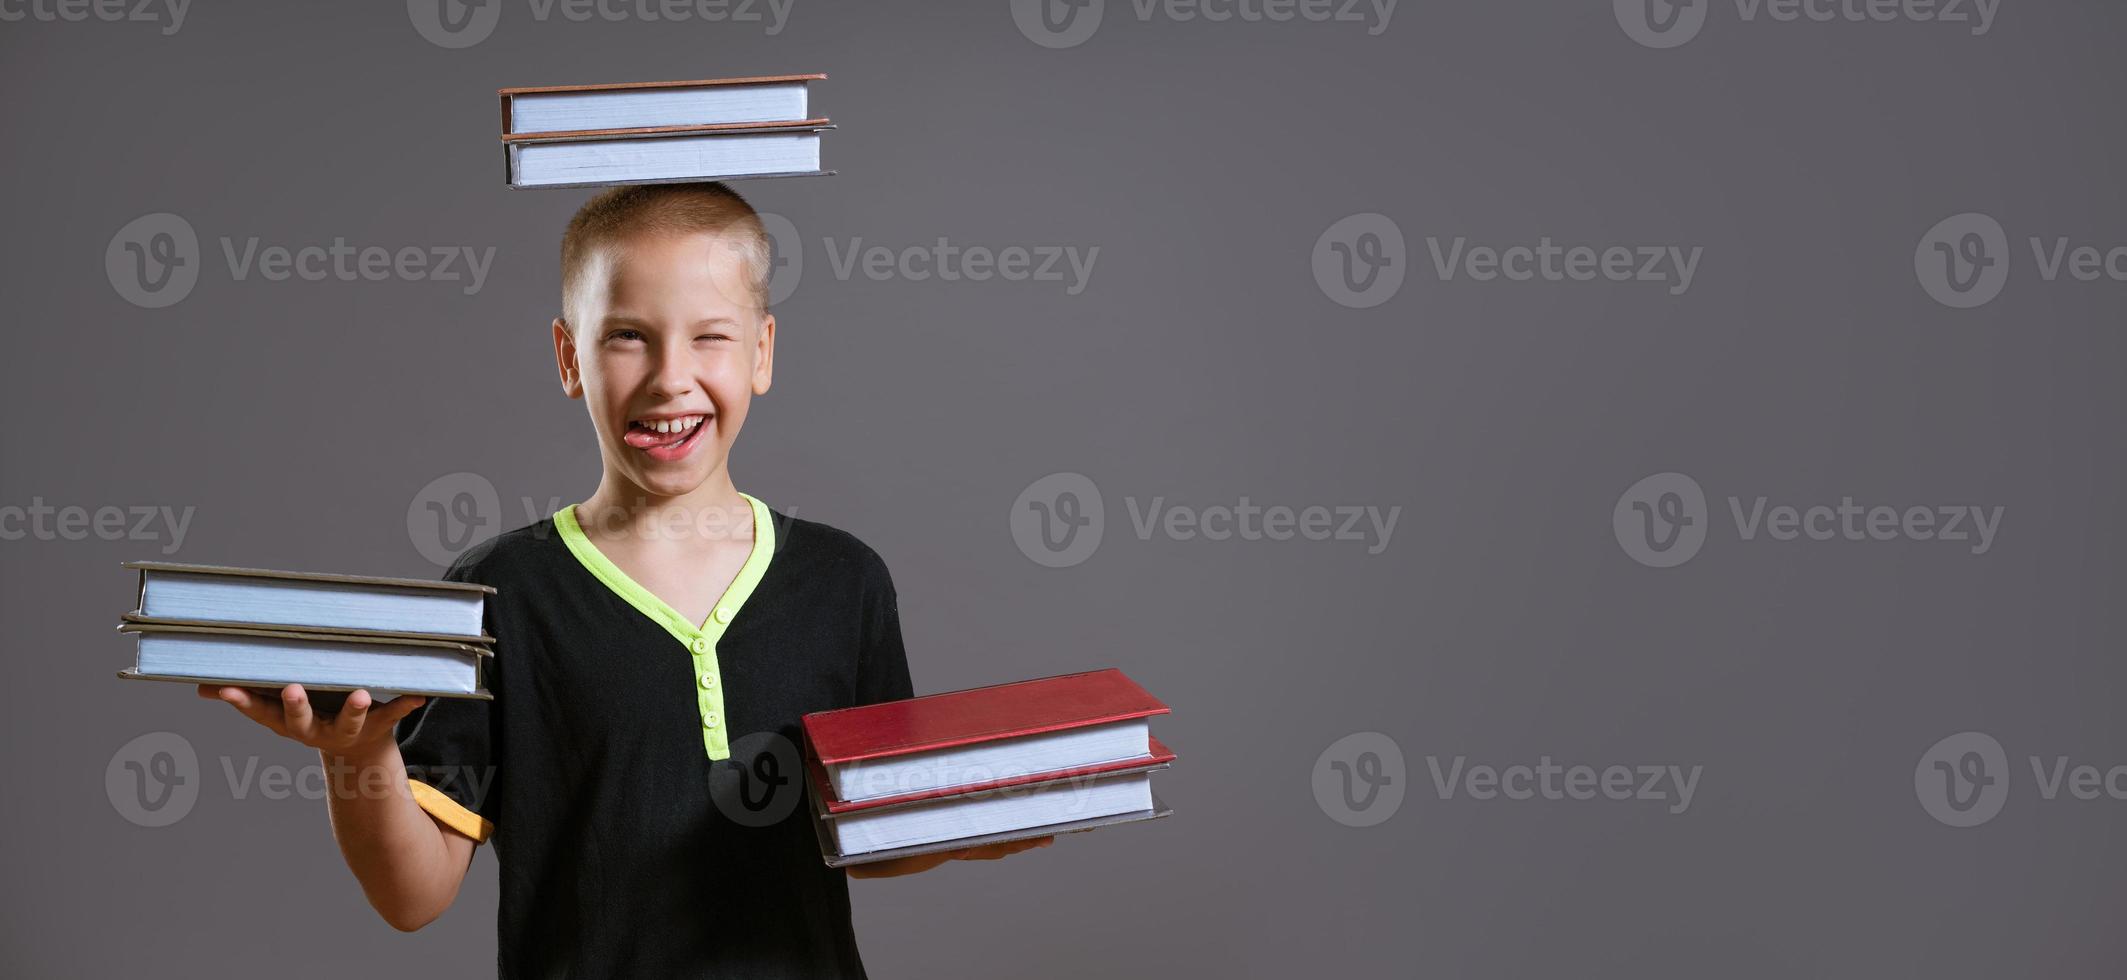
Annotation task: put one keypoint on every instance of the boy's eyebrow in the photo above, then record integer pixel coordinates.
(629, 321)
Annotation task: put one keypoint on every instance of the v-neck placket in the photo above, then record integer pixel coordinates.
(700, 641)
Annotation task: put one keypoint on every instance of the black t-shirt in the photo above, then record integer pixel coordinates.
(639, 774)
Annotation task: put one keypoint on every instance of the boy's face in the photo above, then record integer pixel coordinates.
(666, 346)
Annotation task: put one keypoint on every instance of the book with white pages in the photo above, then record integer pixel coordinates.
(923, 822)
(656, 105)
(261, 658)
(179, 594)
(605, 158)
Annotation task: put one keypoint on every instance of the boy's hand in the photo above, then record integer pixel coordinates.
(991, 852)
(924, 862)
(355, 732)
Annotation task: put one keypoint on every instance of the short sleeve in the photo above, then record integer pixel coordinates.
(450, 763)
(882, 665)
(449, 746)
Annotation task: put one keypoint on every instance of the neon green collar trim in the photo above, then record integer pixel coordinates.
(699, 640)
(647, 602)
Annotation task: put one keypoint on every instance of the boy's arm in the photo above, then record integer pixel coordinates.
(409, 866)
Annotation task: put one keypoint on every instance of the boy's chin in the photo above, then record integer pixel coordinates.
(668, 479)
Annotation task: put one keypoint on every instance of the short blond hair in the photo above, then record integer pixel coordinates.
(620, 213)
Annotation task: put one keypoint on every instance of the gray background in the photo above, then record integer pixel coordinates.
(1201, 364)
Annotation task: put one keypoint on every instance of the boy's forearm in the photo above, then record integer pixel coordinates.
(409, 866)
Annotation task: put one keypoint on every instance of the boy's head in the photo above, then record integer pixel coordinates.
(665, 331)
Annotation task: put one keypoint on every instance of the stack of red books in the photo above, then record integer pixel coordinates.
(983, 766)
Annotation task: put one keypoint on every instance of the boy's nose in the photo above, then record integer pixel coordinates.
(674, 376)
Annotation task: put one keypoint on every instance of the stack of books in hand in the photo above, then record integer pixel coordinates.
(983, 766)
(661, 132)
(249, 627)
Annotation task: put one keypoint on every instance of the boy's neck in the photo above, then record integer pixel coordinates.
(709, 514)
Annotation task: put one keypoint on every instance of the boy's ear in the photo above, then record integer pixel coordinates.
(764, 356)
(565, 359)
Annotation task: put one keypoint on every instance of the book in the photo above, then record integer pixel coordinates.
(981, 735)
(1034, 810)
(265, 658)
(206, 595)
(624, 156)
(655, 105)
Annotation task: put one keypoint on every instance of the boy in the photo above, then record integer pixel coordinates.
(640, 636)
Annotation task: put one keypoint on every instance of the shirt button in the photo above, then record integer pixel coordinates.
(709, 720)
(700, 646)
(708, 678)
(722, 614)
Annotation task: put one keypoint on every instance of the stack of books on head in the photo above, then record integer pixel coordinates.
(248, 627)
(661, 132)
(983, 766)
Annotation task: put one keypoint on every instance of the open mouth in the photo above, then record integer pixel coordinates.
(666, 437)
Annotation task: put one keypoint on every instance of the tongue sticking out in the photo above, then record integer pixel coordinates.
(643, 437)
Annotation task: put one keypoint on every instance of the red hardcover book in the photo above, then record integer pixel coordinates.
(981, 714)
